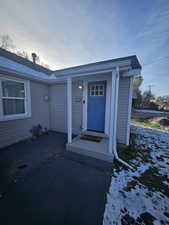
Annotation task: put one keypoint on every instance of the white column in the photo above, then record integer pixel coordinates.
(129, 111)
(69, 109)
(113, 109)
(84, 119)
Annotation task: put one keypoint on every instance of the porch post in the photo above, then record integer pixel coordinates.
(69, 109)
(113, 109)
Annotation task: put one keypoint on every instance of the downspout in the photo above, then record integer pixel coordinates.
(115, 123)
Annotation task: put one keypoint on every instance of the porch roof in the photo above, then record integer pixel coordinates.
(131, 61)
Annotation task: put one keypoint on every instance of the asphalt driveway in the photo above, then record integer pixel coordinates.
(51, 186)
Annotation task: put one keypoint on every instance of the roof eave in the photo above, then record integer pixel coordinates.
(11, 72)
(86, 69)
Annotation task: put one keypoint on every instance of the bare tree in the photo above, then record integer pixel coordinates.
(163, 102)
(23, 54)
(38, 61)
(6, 42)
(148, 100)
(137, 97)
(137, 82)
(148, 97)
(44, 65)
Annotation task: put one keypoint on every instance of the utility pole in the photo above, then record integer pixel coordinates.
(150, 87)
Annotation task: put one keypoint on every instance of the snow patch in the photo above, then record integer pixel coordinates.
(128, 193)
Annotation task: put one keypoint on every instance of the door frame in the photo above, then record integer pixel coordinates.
(106, 78)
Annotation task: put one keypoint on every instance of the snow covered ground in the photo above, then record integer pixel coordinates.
(142, 196)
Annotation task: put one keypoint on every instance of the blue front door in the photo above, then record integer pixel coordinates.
(96, 106)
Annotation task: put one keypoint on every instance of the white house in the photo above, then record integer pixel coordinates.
(93, 99)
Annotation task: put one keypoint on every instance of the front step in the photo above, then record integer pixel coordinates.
(98, 155)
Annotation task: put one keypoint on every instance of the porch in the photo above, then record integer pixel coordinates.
(98, 103)
(101, 122)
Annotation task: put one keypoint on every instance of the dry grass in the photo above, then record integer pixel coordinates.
(151, 123)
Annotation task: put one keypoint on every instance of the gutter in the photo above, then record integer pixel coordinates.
(120, 160)
(23, 75)
(115, 124)
(12, 72)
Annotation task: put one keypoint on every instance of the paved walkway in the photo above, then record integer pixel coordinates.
(43, 184)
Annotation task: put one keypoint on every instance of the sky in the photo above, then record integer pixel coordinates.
(67, 33)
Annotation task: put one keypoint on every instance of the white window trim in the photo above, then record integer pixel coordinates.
(27, 98)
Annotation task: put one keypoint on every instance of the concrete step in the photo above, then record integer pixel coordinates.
(92, 153)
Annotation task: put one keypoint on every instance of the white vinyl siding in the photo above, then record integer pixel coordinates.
(123, 104)
(58, 108)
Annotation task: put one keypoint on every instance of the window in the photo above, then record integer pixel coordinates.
(14, 99)
(96, 90)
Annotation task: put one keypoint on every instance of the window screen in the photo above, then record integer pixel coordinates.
(13, 97)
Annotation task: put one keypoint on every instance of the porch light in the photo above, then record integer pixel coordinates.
(80, 87)
(80, 84)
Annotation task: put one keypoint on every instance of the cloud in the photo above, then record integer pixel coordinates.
(66, 33)
(157, 26)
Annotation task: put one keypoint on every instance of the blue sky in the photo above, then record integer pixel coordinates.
(71, 32)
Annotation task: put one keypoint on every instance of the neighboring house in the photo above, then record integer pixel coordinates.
(93, 99)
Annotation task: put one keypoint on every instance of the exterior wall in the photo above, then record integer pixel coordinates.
(58, 108)
(12, 131)
(123, 110)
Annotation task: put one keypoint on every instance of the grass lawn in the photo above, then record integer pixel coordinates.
(147, 123)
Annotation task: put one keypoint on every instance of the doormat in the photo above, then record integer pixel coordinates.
(90, 138)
